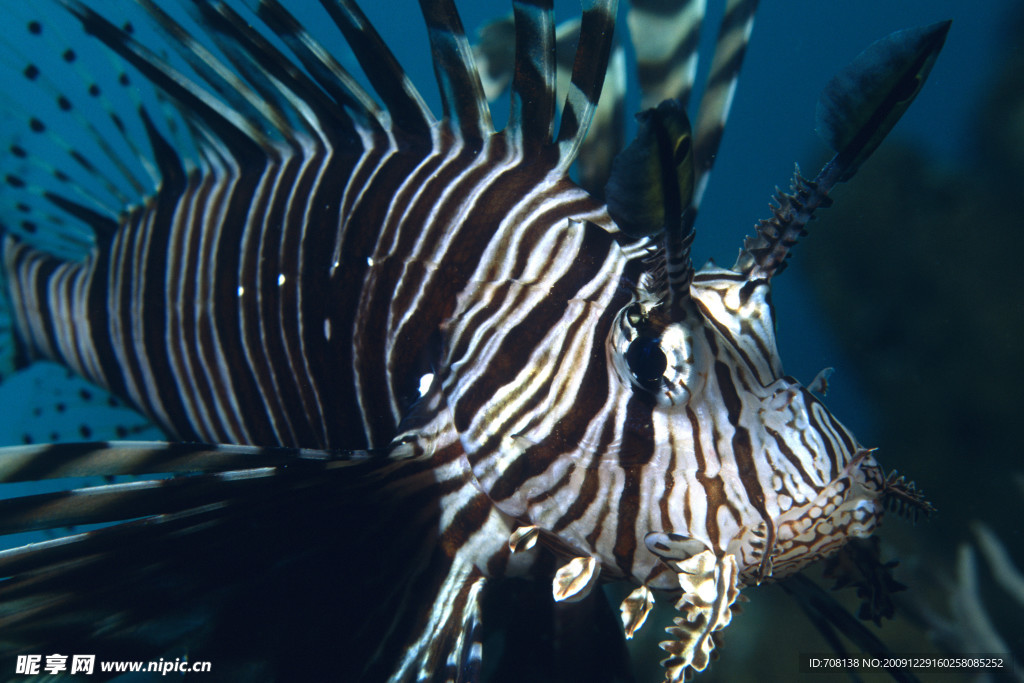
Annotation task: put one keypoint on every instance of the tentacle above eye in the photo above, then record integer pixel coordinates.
(856, 110)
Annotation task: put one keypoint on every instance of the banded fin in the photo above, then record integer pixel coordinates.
(518, 50)
(462, 95)
(325, 69)
(666, 37)
(214, 552)
(607, 130)
(716, 102)
(404, 104)
(250, 97)
(589, 67)
(533, 101)
(260, 80)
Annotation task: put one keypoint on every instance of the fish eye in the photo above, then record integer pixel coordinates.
(646, 362)
(654, 355)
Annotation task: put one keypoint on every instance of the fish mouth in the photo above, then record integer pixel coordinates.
(850, 506)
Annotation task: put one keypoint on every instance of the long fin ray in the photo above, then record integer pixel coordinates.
(274, 75)
(118, 502)
(512, 49)
(328, 72)
(716, 102)
(606, 135)
(447, 646)
(244, 140)
(199, 560)
(532, 115)
(666, 38)
(275, 82)
(114, 458)
(403, 101)
(224, 80)
(592, 54)
(462, 95)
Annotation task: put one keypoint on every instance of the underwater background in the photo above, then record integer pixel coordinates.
(908, 286)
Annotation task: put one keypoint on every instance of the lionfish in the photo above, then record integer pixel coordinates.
(409, 366)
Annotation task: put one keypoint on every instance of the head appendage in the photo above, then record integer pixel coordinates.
(650, 193)
(653, 209)
(856, 110)
(904, 498)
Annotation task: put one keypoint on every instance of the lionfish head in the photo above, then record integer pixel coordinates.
(787, 483)
(720, 470)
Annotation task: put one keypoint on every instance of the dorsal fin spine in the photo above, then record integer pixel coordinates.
(532, 116)
(405, 107)
(332, 77)
(730, 48)
(245, 140)
(462, 94)
(274, 76)
(592, 53)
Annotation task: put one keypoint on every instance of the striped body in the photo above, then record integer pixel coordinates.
(330, 326)
(258, 330)
(292, 290)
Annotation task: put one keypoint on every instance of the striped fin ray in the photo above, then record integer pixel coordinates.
(273, 75)
(113, 458)
(244, 139)
(666, 37)
(606, 135)
(532, 114)
(589, 67)
(504, 45)
(328, 72)
(406, 107)
(462, 95)
(117, 502)
(256, 99)
(730, 48)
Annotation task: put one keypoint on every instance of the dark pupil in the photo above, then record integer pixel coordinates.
(646, 361)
